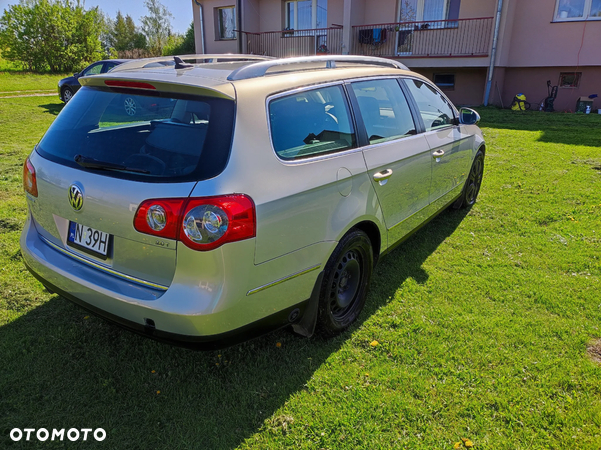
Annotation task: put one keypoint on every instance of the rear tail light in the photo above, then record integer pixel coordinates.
(199, 223)
(30, 183)
(159, 217)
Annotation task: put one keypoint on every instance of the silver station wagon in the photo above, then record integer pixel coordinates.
(249, 194)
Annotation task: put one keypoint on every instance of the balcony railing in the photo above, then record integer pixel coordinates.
(294, 42)
(434, 38)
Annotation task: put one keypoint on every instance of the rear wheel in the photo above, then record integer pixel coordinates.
(67, 94)
(130, 106)
(472, 184)
(346, 279)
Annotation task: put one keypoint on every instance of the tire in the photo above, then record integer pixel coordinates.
(67, 94)
(130, 106)
(345, 282)
(470, 191)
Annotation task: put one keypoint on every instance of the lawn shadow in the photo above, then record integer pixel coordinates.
(557, 127)
(53, 108)
(62, 368)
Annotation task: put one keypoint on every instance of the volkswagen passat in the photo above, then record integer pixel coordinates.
(260, 195)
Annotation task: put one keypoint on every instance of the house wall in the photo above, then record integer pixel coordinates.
(212, 44)
(469, 84)
(251, 16)
(472, 9)
(533, 49)
(532, 81)
(535, 41)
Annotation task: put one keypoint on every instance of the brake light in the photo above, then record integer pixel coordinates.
(212, 221)
(129, 84)
(203, 223)
(30, 183)
(159, 217)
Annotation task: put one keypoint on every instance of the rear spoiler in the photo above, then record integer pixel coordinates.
(148, 84)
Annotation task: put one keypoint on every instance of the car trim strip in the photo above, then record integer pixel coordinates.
(281, 280)
(104, 268)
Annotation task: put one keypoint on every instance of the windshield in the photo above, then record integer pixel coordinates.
(150, 138)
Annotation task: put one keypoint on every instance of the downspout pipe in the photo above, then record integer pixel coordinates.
(239, 24)
(202, 26)
(493, 54)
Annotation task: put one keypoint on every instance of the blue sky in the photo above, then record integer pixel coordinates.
(181, 10)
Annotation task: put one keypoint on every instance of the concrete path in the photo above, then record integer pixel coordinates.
(44, 94)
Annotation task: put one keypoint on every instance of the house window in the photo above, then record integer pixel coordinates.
(426, 10)
(569, 10)
(445, 81)
(569, 79)
(225, 25)
(305, 14)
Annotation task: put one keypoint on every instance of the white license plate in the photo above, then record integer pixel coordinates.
(88, 239)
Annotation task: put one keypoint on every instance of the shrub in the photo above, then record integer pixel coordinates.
(51, 35)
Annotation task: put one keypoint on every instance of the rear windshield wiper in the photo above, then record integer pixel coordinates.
(92, 163)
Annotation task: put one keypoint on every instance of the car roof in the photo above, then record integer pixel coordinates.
(262, 73)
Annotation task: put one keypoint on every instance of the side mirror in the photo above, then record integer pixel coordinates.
(77, 75)
(468, 116)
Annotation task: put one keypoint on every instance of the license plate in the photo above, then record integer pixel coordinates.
(88, 239)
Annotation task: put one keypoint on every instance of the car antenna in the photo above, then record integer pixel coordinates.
(179, 64)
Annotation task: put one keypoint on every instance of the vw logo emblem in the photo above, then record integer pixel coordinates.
(75, 197)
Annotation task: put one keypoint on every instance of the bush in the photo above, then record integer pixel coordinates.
(51, 35)
(182, 45)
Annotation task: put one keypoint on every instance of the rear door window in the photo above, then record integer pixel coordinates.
(384, 110)
(311, 123)
(108, 66)
(435, 110)
(151, 138)
(94, 69)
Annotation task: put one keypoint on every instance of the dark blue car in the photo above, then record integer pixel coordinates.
(67, 87)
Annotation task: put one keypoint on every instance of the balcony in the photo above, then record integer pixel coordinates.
(293, 42)
(431, 39)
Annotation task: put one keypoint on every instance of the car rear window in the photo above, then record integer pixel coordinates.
(151, 138)
(311, 123)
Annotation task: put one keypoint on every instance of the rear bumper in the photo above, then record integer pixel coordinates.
(211, 342)
(189, 313)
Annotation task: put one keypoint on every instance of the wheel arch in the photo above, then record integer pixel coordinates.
(373, 233)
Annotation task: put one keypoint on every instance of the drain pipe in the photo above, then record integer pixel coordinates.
(202, 26)
(493, 54)
(239, 23)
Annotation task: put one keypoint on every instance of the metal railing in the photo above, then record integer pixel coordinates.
(281, 44)
(433, 38)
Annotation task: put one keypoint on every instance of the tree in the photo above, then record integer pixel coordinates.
(124, 35)
(156, 26)
(55, 35)
(185, 45)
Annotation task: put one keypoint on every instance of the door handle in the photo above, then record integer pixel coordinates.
(438, 153)
(384, 175)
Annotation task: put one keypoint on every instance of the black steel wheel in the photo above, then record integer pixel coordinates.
(472, 184)
(346, 279)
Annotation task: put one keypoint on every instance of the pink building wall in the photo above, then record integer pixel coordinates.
(531, 49)
(534, 49)
(469, 84)
(536, 41)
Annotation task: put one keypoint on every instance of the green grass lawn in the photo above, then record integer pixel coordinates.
(14, 81)
(483, 320)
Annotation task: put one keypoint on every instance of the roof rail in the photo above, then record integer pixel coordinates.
(259, 69)
(169, 61)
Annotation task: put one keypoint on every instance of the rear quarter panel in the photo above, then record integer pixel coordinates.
(297, 204)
